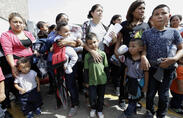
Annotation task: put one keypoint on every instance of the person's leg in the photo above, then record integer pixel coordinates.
(131, 109)
(152, 89)
(100, 94)
(93, 100)
(123, 93)
(176, 100)
(163, 92)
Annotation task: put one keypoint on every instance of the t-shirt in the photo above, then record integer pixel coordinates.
(27, 81)
(129, 34)
(134, 70)
(174, 86)
(97, 75)
(161, 44)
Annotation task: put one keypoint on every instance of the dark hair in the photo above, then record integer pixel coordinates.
(138, 40)
(149, 22)
(94, 7)
(179, 16)
(51, 28)
(42, 34)
(161, 6)
(59, 16)
(114, 18)
(40, 24)
(133, 6)
(60, 25)
(90, 36)
(23, 60)
(15, 14)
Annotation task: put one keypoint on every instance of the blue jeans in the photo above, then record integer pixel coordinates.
(131, 109)
(176, 100)
(162, 88)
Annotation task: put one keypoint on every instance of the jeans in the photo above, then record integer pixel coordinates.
(162, 88)
(176, 100)
(96, 95)
(72, 87)
(131, 109)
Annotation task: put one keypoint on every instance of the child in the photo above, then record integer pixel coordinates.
(136, 80)
(63, 32)
(162, 48)
(27, 83)
(97, 76)
(177, 90)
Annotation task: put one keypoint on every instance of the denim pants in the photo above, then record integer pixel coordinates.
(176, 100)
(96, 95)
(162, 88)
(131, 109)
(72, 87)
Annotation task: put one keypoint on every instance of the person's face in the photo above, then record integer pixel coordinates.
(175, 22)
(93, 44)
(160, 17)
(24, 68)
(64, 31)
(45, 27)
(134, 48)
(139, 12)
(64, 18)
(16, 24)
(97, 14)
(118, 20)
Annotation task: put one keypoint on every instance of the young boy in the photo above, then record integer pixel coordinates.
(136, 80)
(163, 47)
(96, 74)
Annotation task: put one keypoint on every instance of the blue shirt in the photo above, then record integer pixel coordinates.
(159, 44)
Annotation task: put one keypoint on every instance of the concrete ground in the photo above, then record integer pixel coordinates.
(111, 108)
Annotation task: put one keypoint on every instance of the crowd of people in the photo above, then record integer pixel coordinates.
(141, 60)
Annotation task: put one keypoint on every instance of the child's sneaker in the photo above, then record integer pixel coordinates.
(73, 111)
(100, 115)
(29, 115)
(122, 104)
(92, 113)
(38, 111)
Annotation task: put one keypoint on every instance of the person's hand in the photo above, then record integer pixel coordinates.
(145, 65)
(14, 71)
(166, 62)
(144, 89)
(62, 43)
(38, 89)
(36, 53)
(2, 97)
(113, 36)
(22, 91)
(96, 56)
(79, 42)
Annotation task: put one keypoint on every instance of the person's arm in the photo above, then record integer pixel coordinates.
(146, 80)
(22, 91)
(118, 44)
(38, 83)
(12, 64)
(166, 62)
(180, 86)
(63, 43)
(124, 81)
(145, 65)
(2, 91)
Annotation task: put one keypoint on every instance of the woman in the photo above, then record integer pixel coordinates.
(175, 21)
(132, 28)
(96, 26)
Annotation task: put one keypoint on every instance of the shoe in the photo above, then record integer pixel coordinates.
(122, 104)
(148, 114)
(139, 105)
(38, 111)
(29, 115)
(92, 113)
(7, 115)
(117, 91)
(73, 111)
(100, 115)
(68, 70)
(178, 111)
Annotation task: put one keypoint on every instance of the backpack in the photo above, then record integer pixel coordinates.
(40, 45)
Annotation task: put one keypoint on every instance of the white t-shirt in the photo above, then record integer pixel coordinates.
(100, 31)
(27, 81)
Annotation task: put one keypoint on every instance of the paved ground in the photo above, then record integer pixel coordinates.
(111, 109)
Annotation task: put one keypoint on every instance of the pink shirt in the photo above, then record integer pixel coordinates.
(12, 45)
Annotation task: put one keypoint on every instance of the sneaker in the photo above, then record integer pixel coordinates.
(92, 113)
(139, 105)
(38, 111)
(122, 104)
(29, 115)
(73, 111)
(100, 115)
(148, 114)
(117, 91)
(178, 111)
